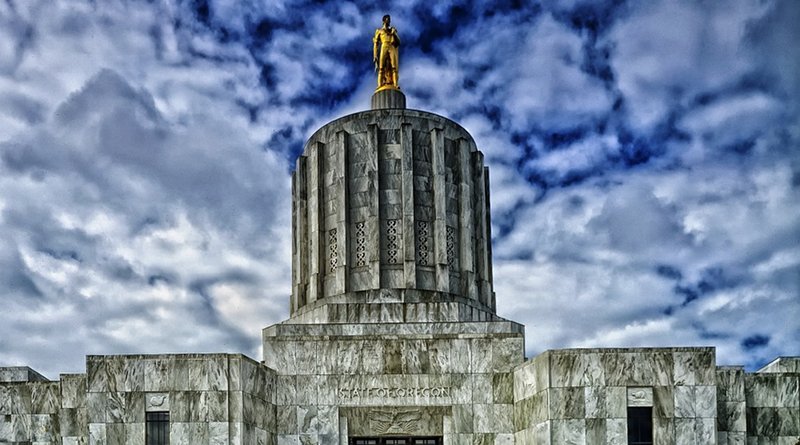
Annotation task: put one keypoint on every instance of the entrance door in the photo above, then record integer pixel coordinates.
(395, 440)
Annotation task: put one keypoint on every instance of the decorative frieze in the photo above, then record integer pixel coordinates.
(392, 246)
(361, 244)
(333, 250)
(451, 246)
(423, 252)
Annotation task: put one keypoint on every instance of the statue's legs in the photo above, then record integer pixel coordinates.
(387, 67)
(394, 60)
(382, 62)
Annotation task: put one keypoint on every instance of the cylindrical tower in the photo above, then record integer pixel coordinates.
(391, 206)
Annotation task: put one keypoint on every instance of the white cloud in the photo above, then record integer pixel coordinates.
(556, 93)
(665, 53)
(127, 223)
(585, 155)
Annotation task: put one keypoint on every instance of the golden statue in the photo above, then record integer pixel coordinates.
(387, 60)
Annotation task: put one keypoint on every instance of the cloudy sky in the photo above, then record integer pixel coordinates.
(645, 162)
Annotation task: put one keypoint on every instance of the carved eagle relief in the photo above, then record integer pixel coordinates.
(157, 400)
(394, 421)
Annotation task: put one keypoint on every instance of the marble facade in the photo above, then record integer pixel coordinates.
(582, 395)
(393, 332)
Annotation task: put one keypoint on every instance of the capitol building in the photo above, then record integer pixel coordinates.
(393, 336)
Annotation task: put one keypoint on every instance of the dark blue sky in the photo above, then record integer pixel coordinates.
(644, 163)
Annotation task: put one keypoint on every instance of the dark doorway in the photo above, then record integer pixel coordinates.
(157, 428)
(640, 425)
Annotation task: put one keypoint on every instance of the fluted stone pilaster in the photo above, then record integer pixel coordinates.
(388, 99)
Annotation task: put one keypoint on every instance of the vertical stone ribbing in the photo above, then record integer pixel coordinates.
(330, 196)
(317, 258)
(424, 211)
(466, 226)
(360, 196)
(480, 224)
(295, 257)
(390, 159)
(407, 184)
(439, 211)
(490, 298)
(375, 205)
(342, 274)
(452, 215)
(299, 233)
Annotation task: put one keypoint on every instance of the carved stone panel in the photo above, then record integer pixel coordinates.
(393, 229)
(156, 401)
(423, 243)
(395, 420)
(361, 244)
(333, 250)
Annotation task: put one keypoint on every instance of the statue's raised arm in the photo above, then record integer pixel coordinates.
(385, 55)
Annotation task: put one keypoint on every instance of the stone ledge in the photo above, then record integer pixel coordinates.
(10, 374)
(480, 328)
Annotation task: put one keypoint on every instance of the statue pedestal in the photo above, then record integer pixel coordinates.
(388, 98)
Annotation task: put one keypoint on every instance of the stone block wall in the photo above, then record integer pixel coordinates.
(582, 395)
(773, 407)
(463, 381)
(211, 398)
(531, 403)
(29, 412)
(258, 393)
(73, 417)
(340, 381)
(731, 405)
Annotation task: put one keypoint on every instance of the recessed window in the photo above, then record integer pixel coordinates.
(640, 425)
(157, 428)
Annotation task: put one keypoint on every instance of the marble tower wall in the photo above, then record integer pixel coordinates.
(391, 199)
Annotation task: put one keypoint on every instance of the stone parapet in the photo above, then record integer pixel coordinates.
(782, 364)
(20, 374)
(392, 306)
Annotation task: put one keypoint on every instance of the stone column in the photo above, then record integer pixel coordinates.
(466, 220)
(439, 211)
(407, 177)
